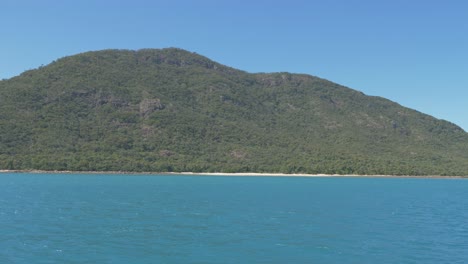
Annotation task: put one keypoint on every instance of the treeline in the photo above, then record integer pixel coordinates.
(92, 162)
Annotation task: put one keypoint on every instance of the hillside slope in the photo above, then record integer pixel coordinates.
(172, 110)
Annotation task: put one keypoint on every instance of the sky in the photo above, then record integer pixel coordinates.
(413, 52)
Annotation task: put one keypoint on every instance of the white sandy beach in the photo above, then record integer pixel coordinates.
(240, 174)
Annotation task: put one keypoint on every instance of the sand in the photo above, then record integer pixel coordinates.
(240, 174)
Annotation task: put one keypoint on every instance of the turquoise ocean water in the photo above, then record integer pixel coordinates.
(79, 218)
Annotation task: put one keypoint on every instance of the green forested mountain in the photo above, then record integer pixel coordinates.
(172, 110)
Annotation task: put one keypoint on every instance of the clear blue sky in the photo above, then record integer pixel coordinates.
(414, 52)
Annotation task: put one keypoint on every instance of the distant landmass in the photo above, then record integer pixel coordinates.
(170, 110)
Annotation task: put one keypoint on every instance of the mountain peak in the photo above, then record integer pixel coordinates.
(124, 60)
(175, 57)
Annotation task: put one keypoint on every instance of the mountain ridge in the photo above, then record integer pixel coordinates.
(174, 110)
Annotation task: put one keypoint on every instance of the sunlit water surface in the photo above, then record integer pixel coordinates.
(79, 218)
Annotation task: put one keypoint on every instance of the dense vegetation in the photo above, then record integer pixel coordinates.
(172, 110)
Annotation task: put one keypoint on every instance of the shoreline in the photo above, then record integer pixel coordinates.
(236, 174)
